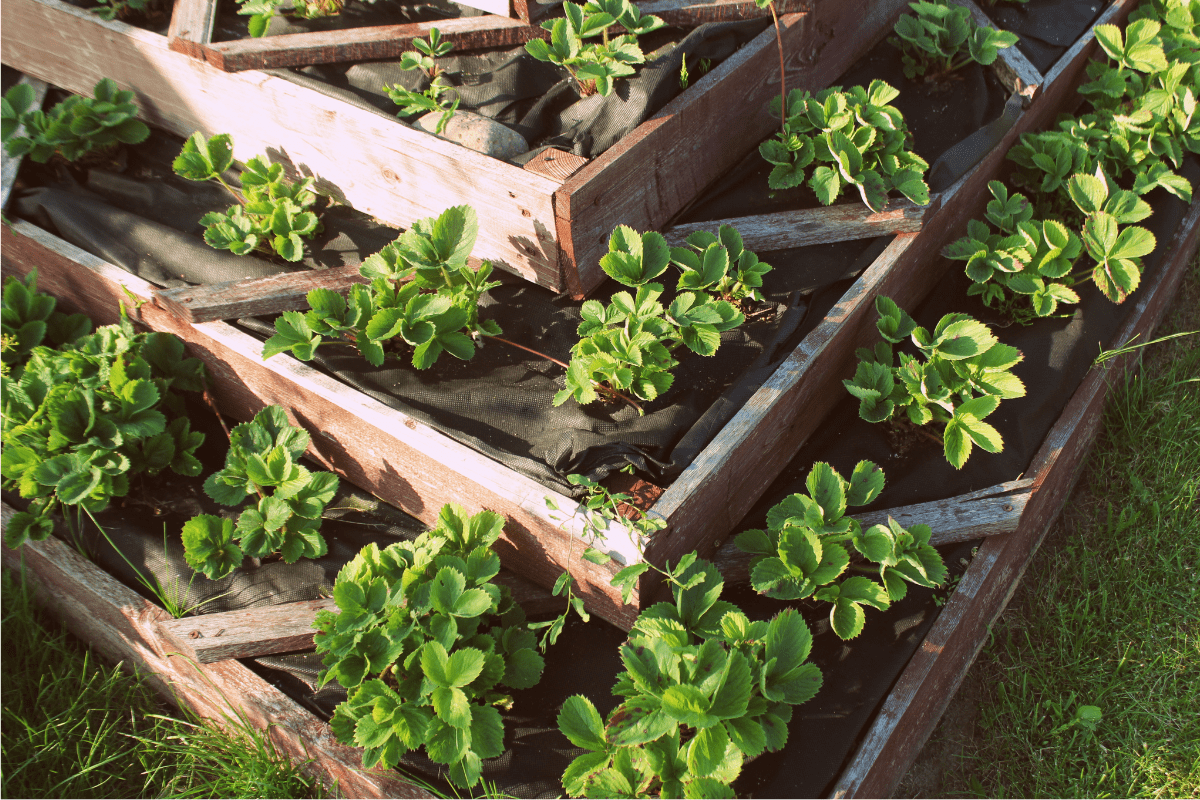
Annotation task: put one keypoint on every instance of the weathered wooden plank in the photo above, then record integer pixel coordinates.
(957, 519)
(928, 684)
(359, 156)
(122, 626)
(653, 172)
(361, 44)
(1014, 69)
(710, 496)
(805, 226)
(390, 454)
(288, 627)
(248, 298)
(191, 27)
(246, 633)
(11, 165)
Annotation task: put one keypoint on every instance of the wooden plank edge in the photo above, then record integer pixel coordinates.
(11, 165)
(121, 625)
(191, 28)
(533, 533)
(805, 226)
(1015, 71)
(256, 296)
(359, 44)
(935, 672)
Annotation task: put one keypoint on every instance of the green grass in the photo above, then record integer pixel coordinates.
(74, 726)
(1108, 614)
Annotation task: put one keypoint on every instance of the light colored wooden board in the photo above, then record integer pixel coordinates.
(653, 172)
(360, 156)
(929, 682)
(248, 298)
(122, 626)
(392, 455)
(711, 495)
(687, 12)
(11, 165)
(246, 633)
(191, 27)
(556, 164)
(362, 44)
(805, 226)
(1015, 70)
(501, 7)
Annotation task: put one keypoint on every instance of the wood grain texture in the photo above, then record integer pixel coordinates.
(191, 27)
(362, 44)
(557, 165)
(122, 626)
(288, 627)
(711, 496)
(656, 170)
(797, 228)
(359, 156)
(928, 683)
(957, 519)
(248, 298)
(11, 165)
(1014, 70)
(246, 633)
(397, 458)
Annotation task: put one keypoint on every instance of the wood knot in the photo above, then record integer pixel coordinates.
(195, 635)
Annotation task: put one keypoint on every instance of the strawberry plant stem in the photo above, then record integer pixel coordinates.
(782, 77)
(606, 389)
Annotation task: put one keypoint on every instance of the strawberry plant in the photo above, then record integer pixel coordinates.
(855, 139)
(626, 346)
(263, 455)
(941, 38)
(1034, 260)
(431, 99)
(80, 421)
(427, 647)
(704, 689)
(73, 128)
(262, 11)
(28, 318)
(806, 548)
(422, 292)
(595, 66)
(962, 379)
(271, 213)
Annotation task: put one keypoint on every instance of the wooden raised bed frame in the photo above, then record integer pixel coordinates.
(548, 222)
(192, 24)
(125, 627)
(418, 469)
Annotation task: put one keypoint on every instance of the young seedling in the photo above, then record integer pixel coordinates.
(964, 376)
(432, 99)
(855, 138)
(73, 128)
(704, 689)
(942, 38)
(422, 292)
(806, 548)
(595, 66)
(271, 214)
(427, 647)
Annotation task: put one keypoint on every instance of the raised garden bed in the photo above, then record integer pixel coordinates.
(1022, 508)
(417, 468)
(546, 223)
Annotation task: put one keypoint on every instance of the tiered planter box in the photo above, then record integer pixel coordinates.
(419, 469)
